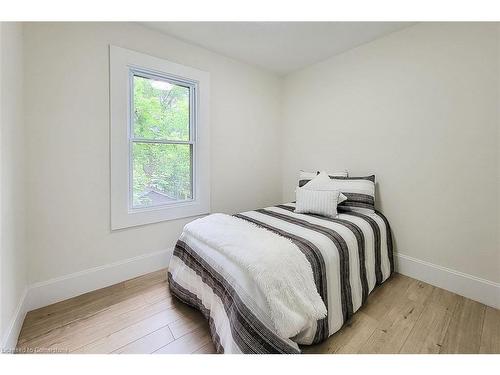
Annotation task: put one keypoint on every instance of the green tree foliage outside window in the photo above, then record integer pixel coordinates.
(161, 171)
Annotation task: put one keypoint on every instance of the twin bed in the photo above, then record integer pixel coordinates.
(349, 255)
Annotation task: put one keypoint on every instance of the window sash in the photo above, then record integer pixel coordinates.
(132, 139)
(150, 74)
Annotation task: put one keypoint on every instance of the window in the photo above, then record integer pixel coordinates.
(159, 139)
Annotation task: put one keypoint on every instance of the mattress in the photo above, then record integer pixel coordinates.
(349, 255)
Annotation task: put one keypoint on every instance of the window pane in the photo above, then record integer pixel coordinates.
(161, 173)
(161, 110)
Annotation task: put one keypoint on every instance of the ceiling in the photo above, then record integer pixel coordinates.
(281, 47)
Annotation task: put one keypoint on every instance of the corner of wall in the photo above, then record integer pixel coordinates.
(13, 175)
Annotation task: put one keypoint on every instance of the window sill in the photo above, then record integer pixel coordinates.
(137, 217)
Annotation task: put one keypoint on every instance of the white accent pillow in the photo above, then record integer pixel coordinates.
(322, 181)
(321, 202)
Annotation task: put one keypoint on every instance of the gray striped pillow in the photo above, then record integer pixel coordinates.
(320, 202)
(305, 177)
(360, 193)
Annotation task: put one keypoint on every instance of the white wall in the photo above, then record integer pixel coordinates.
(67, 120)
(419, 108)
(13, 258)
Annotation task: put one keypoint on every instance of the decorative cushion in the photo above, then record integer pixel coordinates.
(320, 202)
(322, 181)
(360, 193)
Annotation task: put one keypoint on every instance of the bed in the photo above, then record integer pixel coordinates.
(349, 256)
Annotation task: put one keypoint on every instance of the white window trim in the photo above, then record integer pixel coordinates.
(122, 62)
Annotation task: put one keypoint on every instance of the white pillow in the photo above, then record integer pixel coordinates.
(322, 181)
(321, 202)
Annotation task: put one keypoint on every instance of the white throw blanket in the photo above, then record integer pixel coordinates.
(280, 270)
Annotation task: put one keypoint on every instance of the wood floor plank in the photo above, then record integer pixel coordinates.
(83, 311)
(428, 332)
(73, 336)
(384, 297)
(444, 298)
(465, 328)
(117, 306)
(131, 333)
(57, 332)
(393, 330)
(187, 323)
(159, 292)
(419, 291)
(149, 343)
(490, 337)
(138, 283)
(42, 313)
(188, 343)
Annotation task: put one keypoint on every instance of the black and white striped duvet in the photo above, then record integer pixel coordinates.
(349, 255)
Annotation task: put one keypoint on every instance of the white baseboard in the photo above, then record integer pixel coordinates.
(9, 341)
(58, 289)
(481, 290)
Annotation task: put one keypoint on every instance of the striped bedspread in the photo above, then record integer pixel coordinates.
(349, 256)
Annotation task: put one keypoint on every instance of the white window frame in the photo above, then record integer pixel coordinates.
(123, 64)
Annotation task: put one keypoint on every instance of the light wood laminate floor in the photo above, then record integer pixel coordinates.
(140, 316)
